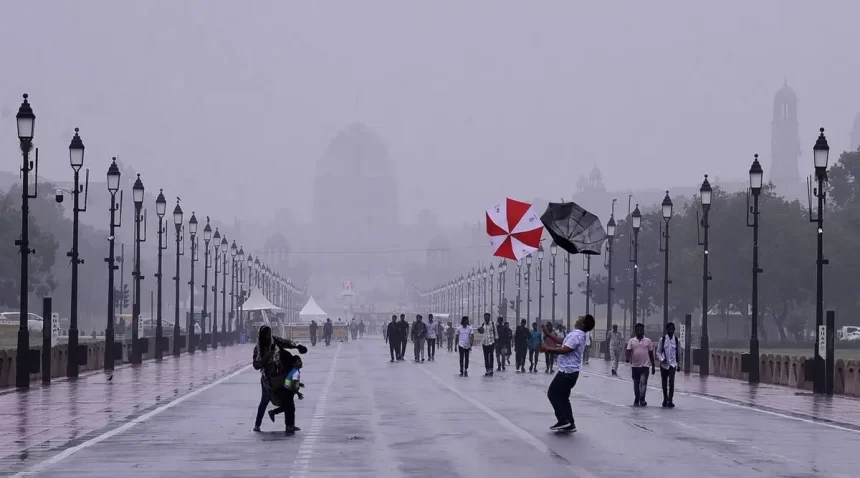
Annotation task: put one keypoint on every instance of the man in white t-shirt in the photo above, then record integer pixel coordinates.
(640, 352)
(570, 354)
(465, 338)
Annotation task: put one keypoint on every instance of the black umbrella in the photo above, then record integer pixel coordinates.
(574, 229)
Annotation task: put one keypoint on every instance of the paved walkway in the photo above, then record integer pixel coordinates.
(41, 421)
(366, 417)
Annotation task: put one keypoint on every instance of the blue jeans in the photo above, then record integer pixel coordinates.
(264, 403)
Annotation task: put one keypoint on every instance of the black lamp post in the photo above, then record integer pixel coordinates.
(540, 282)
(233, 287)
(76, 159)
(192, 232)
(503, 279)
(225, 246)
(610, 235)
(567, 273)
(216, 242)
(177, 223)
(113, 177)
(666, 207)
(240, 267)
(207, 236)
(586, 266)
(821, 153)
(461, 282)
(492, 288)
(519, 288)
(636, 219)
(705, 193)
(160, 211)
(756, 175)
(528, 288)
(137, 192)
(553, 250)
(26, 121)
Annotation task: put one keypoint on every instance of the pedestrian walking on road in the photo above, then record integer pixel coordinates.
(328, 330)
(404, 334)
(465, 339)
(312, 330)
(502, 341)
(361, 328)
(616, 345)
(419, 333)
(550, 339)
(488, 343)
(570, 352)
(266, 359)
(432, 330)
(449, 333)
(509, 344)
(668, 352)
(535, 338)
(640, 352)
(521, 343)
(587, 347)
(391, 337)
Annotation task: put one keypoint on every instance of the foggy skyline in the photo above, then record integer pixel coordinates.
(230, 107)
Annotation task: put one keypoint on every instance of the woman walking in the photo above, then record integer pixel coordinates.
(265, 360)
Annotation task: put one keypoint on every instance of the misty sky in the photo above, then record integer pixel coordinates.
(229, 104)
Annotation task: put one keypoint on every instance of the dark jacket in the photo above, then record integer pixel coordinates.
(521, 336)
(419, 330)
(404, 329)
(393, 331)
(327, 328)
(269, 361)
(503, 335)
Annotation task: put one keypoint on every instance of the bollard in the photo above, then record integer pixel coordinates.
(4, 368)
(46, 340)
(688, 346)
(765, 371)
(829, 356)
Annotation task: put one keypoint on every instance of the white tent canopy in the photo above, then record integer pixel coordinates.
(312, 310)
(257, 301)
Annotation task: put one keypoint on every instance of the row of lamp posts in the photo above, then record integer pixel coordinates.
(277, 288)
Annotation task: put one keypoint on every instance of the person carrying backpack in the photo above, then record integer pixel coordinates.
(669, 353)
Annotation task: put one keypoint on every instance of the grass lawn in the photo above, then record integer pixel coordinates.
(845, 354)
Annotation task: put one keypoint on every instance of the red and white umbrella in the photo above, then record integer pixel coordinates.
(514, 229)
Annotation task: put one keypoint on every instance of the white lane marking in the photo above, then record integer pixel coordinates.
(42, 466)
(738, 405)
(302, 463)
(519, 432)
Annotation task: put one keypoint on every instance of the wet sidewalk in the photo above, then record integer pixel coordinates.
(46, 419)
(837, 410)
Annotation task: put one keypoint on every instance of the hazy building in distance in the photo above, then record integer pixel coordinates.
(785, 145)
(855, 133)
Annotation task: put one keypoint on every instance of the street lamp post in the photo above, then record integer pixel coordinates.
(610, 235)
(636, 219)
(76, 159)
(567, 273)
(240, 267)
(484, 290)
(160, 211)
(540, 282)
(26, 121)
(553, 250)
(528, 288)
(113, 177)
(192, 232)
(177, 222)
(234, 287)
(519, 289)
(207, 236)
(821, 153)
(586, 266)
(492, 287)
(705, 193)
(503, 279)
(666, 208)
(216, 243)
(137, 193)
(461, 283)
(756, 175)
(224, 247)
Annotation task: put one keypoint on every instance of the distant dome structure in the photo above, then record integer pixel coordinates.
(355, 187)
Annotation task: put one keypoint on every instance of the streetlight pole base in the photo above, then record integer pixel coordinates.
(754, 374)
(22, 372)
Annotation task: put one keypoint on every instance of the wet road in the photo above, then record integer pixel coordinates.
(366, 417)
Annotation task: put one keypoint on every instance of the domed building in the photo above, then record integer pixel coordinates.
(785, 144)
(355, 187)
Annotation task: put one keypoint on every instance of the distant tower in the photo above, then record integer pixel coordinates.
(785, 143)
(855, 133)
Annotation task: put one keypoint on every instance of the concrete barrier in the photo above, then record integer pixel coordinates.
(764, 370)
(776, 376)
(839, 377)
(736, 370)
(788, 371)
(5, 366)
(793, 372)
(852, 387)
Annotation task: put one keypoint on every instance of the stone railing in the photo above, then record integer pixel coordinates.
(785, 370)
(91, 358)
